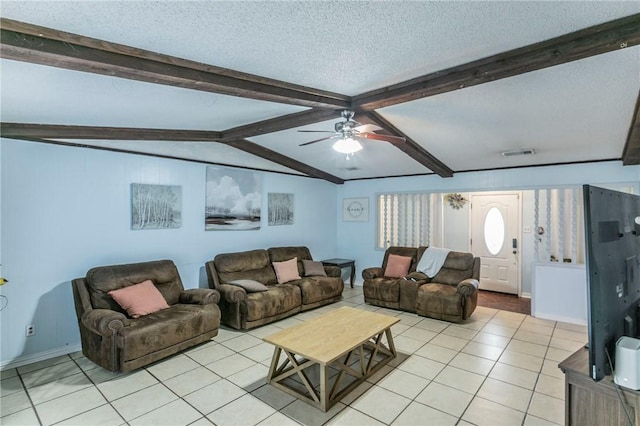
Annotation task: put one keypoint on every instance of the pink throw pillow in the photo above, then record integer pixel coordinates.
(287, 271)
(397, 266)
(139, 299)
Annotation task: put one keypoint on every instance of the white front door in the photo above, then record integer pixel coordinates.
(495, 225)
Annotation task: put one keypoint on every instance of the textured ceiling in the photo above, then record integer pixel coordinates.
(580, 111)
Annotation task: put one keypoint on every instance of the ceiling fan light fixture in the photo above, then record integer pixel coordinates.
(347, 146)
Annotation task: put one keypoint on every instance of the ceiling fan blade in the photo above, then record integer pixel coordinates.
(315, 131)
(367, 128)
(317, 140)
(379, 137)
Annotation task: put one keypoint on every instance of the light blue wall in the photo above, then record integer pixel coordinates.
(67, 209)
(356, 240)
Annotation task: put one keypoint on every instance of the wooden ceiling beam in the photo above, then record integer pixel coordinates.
(29, 43)
(279, 123)
(595, 40)
(39, 132)
(631, 151)
(409, 146)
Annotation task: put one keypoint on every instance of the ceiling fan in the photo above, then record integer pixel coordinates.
(348, 133)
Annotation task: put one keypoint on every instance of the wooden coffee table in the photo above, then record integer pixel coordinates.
(345, 342)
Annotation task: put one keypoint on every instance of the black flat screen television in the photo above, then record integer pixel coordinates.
(612, 235)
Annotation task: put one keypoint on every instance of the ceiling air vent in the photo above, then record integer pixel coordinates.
(528, 151)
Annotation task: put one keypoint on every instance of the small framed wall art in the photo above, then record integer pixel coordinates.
(355, 209)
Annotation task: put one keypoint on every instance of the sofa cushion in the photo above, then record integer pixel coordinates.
(278, 299)
(397, 266)
(279, 254)
(457, 267)
(139, 299)
(166, 328)
(440, 300)
(317, 289)
(252, 265)
(250, 286)
(385, 289)
(312, 268)
(286, 271)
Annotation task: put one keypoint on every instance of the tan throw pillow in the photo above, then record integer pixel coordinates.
(286, 271)
(250, 286)
(397, 266)
(313, 269)
(139, 299)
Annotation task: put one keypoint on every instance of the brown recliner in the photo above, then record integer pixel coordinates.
(117, 342)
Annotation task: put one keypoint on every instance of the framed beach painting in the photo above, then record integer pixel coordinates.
(233, 200)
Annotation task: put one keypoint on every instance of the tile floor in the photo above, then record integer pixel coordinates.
(499, 368)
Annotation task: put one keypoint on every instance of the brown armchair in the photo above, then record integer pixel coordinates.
(117, 342)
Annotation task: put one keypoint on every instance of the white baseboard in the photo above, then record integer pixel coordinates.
(553, 317)
(526, 295)
(41, 356)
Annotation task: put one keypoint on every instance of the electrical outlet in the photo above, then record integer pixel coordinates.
(31, 330)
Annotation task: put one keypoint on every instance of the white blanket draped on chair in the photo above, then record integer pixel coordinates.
(432, 260)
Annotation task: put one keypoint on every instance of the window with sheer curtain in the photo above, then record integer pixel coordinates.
(404, 219)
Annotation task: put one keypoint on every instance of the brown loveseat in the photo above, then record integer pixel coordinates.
(117, 342)
(451, 295)
(241, 309)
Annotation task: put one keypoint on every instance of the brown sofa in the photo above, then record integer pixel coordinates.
(245, 310)
(117, 342)
(451, 295)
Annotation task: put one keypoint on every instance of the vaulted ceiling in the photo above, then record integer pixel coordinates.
(232, 83)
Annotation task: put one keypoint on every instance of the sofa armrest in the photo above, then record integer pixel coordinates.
(370, 273)
(468, 287)
(104, 322)
(333, 271)
(232, 293)
(199, 296)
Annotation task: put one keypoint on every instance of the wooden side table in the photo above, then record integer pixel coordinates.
(343, 263)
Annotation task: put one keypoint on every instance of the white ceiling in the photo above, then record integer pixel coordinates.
(580, 111)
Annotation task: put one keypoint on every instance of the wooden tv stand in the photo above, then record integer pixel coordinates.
(594, 403)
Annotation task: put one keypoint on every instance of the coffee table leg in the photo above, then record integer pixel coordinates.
(353, 273)
(324, 385)
(274, 363)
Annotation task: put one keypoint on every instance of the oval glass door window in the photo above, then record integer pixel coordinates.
(494, 230)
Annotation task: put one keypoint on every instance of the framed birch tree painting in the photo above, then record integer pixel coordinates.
(155, 206)
(280, 209)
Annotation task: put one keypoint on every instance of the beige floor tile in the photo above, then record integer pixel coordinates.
(558, 355)
(547, 408)
(449, 342)
(483, 351)
(375, 378)
(419, 334)
(10, 385)
(103, 415)
(48, 374)
(127, 384)
(191, 381)
(172, 366)
(278, 419)
(21, 418)
(288, 322)
(274, 397)
(175, 413)
(226, 333)
(85, 363)
(230, 365)
(101, 375)
(543, 329)
(539, 321)
(473, 324)
(521, 360)
(506, 323)
(251, 378)
(69, 405)
(530, 420)
(483, 412)
(531, 337)
(211, 353)
(43, 364)
(240, 343)
(515, 375)
(409, 319)
(264, 331)
(356, 393)
(307, 415)
(224, 390)
(527, 348)
(407, 345)
(352, 417)
(16, 401)
(417, 413)
(461, 332)
(551, 386)
(403, 383)
(202, 421)
(567, 345)
(381, 404)
(259, 353)
(57, 388)
(436, 353)
(484, 311)
(572, 327)
(550, 368)
(472, 363)
(465, 381)
(506, 394)
(8, 373)
(576, 336)
(144, 401)
(500, 330)
(492, 339)
(423, 367)
(432, 325)
(399, 328)
(445, 398)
